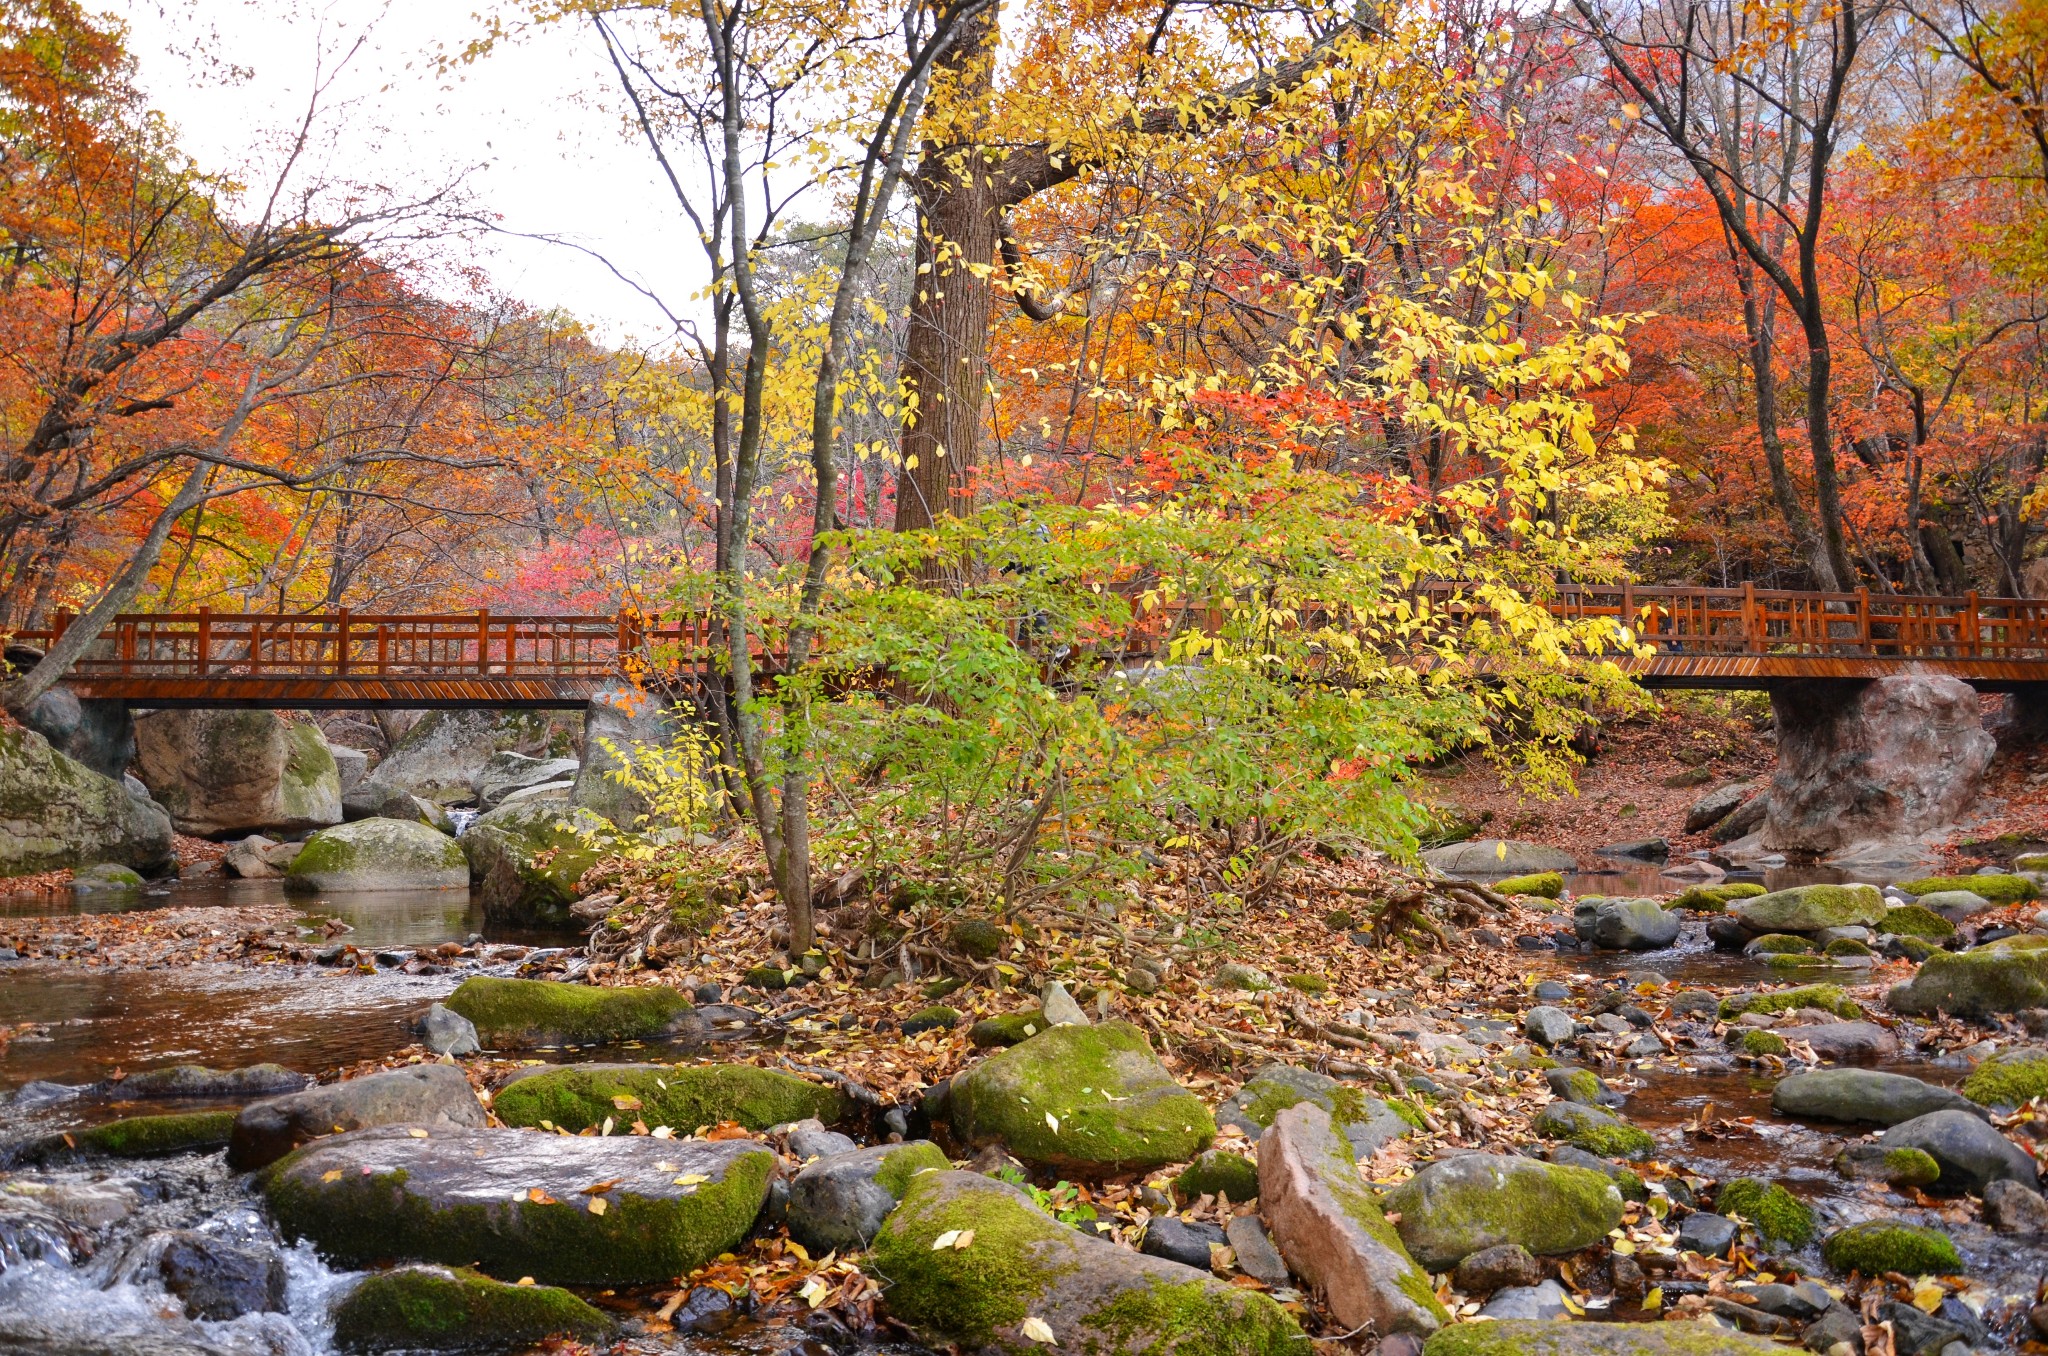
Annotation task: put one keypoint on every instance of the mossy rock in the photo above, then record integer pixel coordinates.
(377, 854)
(521, 1014)
(578, 1096)
(529, 857)
(1795, 961)
(105, 878)
(1582, 1086)
(1809, 908)
(1985, 981)
(770, 977)
(1306, 983)
(60, 813)
(1900, 1167)
(431, 1309)
(2000, 890)
(1218, 1173)
(937, 1018)
(1087, 1098)
(139, 1137)
(1367, 1122)
(514, 1203)
(979, 938)
(1463, 1205)
(2009, 1078)
(945, 986)
(2031, 861)
(1875, 1247)
(1762, 1043)
(1715, 898)
(1826, 997)
(1594, 1130)
(1095, 1297)
(1846, 946)
(1007, 1029)
(1780, 944)
(1916, 920)
(1779, 1217)
(1542, 884)
(1550, 1337)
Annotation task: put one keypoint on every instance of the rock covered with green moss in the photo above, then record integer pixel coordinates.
(1761, 1043)
(1020, 1264)
(236, 772)
(136, 1137)
(1916, 920)
(1809, 908)
(514, 1203)
(2005, 976)
(1875, 1247)
(1999, 889)
(1541, 884)
(2009, 1077)
(528, 857)
(522, 1014)
(1332, 1233)
(1715, 898)
(1007, 1029)
(575, 1097)
(1217, 1172)
(1779, 944)
(377, 854)
(435, 1309)
(1366, 1121)
(1537, 1337)
(1899, 1167)
(1086, 1098)
(1825, 997)
(1466, 1204)
(1779, 1217)
(839, 1201)
(56, 812)
(1594, 1130)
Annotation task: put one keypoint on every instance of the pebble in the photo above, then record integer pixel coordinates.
(1545, 1300)
(1708, 1235)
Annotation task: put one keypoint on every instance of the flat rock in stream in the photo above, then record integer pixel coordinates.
(523, 1014)
(434, 1309)
(1537, 1337)
(1845, 1042)
(581, 1096)
(567, 1210)
(1863, 1095)
(1809, 908)
(430, 1095)
(195, 1082)
(1971, 1153)
(1089, 1294)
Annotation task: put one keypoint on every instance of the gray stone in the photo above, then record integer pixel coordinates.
(97, 734)
(1252, 1107)
(224, 772)
(1696, 1003)
(1641, 849)
(429, 1095)
(1239, 977)
(1543, 1302)
(1503, 1267)
(1498, 857)
(1802, 1303)
(1708, 1235)
(245, 860)
(530, 857)
(620, 721)
(1548, 1025)
(1863, 1095)
(1256, 1255)
(350, 765)
(1890, 760)
(2014, 1208)
(1060, 1008)
(197, 1083)
(839, 1202)
(1809, 908)
(1954, 905)
(378, 854)
(1459, 1206)
(1177, 1240)
(507, 772)
(464, 1196)
(1625, 924)
(547, 793)
(441, 756)
(1743, 822)
(105, 878)
(1971, 1153)
(448, 1033)
(810, 1139)
(1845, 1042)
(220, 1280)
(1551, 991)
(2005, 976)
(1715, 806)
(1589, 1127)
(55, 813)
(1332, 1233)
(1580, 1085)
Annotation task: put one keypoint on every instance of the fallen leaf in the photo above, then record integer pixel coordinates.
(597, 1205)
(1038, 1330)
(1053, 1121)
(417, 1133)
(333, 1176)
(966, 1237)
(945, 1240)
(599, 1188)
(626, 1102)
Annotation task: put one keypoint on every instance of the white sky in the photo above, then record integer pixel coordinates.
(529, 124)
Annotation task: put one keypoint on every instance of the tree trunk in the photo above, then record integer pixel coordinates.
(1820, 434)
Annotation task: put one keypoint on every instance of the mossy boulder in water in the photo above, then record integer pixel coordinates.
(1466, 1204)
(840, 1201)
(1861, 1095)
(136, 1137)
(1915, 920)
(1542, 884)
(425, 1096)
(1778, 1216)
(1594, 1130)
(1007, 1029)
(2000, 890)
(55, 813)
(1550, 1337)
(377, 854)
(529, 859)
(578, 1096)
(1367, 1122)
(514, 1203)
(1985, 981)
(234, 772)
(1022, 1264)
(1089, 1098)
(1809, 908)
(1825, 997)
(1875, 1247)
(2009, 1078)
(1779, 944)
(522, 1014)
(1715, 898)
(432, 1309)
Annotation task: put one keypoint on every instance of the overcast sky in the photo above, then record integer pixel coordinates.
(528, 124)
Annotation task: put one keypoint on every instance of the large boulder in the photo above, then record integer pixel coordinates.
(1332, 1233)
(1085, 1294)
(1466, 1204)
(1717, 805)
(440, 757)
(522, 1014)
(99, 734)
(1366, 1121)
(56, 812)
(1086, 1098)
(529, 858)
(378, 854)
(1624, 924)
(619, 723)
(435, 1309)
(1971, 1152)
(840, 1201)
(1498, 857)
(2005, 976)
(1862, 1095)
(508, 772)
(684, 1097)
(563, 1209)
(1548, 1337)
(1885, 762)
(225, 773)
(1809, 908)
(425, 1094)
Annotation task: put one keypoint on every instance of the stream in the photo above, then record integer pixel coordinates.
(60, 1296)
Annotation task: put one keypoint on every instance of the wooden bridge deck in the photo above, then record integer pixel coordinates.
(1699, 638)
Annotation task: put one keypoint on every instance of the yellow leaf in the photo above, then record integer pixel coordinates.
(815, 1291)
(1573, 1307)
(626, 1103)
(524, 1280)
(417, 1133)
(597, 1205)
(797, 1250)
(334, 1176)
(692, 1179)
(1038, 1330)
(1655, 1299)
(966, 1237)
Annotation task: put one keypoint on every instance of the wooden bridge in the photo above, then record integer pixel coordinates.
(1699, 637)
